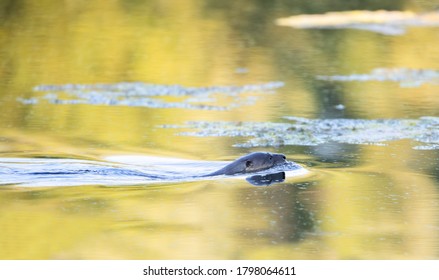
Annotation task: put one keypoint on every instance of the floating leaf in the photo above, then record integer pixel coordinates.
(311, 132)
(150, 95)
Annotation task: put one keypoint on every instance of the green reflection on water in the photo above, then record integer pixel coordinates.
(363, 202)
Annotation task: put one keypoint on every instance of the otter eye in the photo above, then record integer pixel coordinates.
(271, 157)
(248, 163)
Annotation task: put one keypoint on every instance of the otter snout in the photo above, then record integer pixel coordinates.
(279, 158)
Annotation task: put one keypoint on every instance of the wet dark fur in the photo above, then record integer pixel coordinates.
(253, 162)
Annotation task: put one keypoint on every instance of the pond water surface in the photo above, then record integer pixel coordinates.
(202, 82)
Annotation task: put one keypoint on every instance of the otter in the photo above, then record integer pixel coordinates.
(253, 162)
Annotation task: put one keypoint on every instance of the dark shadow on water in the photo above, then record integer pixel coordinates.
(266, 180)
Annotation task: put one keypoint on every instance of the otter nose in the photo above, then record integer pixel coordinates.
(284, 157)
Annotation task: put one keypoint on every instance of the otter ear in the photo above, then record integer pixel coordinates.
(248, 163)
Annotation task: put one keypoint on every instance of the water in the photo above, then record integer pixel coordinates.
(211, 63)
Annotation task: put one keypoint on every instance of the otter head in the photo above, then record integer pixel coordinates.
(261, 161)
(253, 162)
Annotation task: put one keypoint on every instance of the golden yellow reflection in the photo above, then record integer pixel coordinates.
(380, 205)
